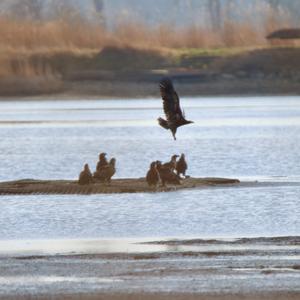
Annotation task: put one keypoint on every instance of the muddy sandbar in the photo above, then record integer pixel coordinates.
(130, 185)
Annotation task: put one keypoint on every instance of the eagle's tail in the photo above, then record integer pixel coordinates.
(163, 123)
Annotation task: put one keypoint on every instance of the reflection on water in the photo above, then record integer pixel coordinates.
(248, 138)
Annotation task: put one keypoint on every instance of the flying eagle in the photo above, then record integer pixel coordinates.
(171, 105)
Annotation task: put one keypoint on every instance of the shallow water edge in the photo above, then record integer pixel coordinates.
(159, 247)
(164, 268)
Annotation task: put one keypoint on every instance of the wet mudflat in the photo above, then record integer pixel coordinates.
(257, 267)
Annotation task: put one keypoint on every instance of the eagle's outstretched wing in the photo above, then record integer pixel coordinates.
(171, 102)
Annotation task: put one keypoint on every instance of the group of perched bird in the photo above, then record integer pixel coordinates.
(104, 171)
(158, 173)
(169, 172)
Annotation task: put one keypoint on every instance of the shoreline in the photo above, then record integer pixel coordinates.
(77, 97)
(92, 89)
(131, 73)
(86, 97)
(137, 248)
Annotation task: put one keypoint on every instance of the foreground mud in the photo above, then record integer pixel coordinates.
(49, 187)
(245, 268)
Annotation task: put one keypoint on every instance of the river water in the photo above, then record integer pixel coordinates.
(254, 138)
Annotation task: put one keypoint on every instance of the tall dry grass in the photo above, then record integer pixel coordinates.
(21, 39)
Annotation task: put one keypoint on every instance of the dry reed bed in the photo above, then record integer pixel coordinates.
(34, 55)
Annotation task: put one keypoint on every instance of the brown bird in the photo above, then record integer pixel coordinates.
(172, 163)
(108, 171)
(85, 177)
(166, 175)
(181, 165)
(102, 163)
(152, 176)
(171, 105)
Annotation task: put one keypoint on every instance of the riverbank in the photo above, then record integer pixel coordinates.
(95, 90)
(92, 89)
(132, 73)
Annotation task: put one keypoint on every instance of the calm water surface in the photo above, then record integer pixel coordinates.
(247, 138)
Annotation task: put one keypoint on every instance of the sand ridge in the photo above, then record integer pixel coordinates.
(128, 185)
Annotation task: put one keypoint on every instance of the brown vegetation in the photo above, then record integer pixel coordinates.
(79, 35)
(265, 61)
(34, 56)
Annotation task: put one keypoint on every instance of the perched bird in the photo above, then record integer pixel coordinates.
(171, 105)
(166, 175)
(102, 161)
(152, 176)
(85, 177)
(172, 163)
(181, 165)
(107, 172)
